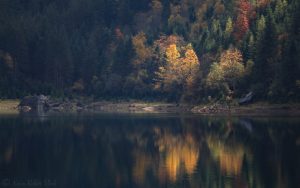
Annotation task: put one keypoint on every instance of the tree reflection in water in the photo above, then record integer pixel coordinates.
(177, 154)
(152, 151)
(229, 157)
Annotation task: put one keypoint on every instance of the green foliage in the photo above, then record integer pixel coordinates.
(227, 72)
(115, 48)
(229, 27)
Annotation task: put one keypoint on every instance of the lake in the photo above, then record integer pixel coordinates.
(148, 150)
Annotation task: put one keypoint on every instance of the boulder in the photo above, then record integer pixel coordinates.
(35, 103)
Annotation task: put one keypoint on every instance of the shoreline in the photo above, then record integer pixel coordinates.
(9, 106)
(255, 109)
(260, 109)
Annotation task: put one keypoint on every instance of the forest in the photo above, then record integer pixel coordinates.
(174, 50)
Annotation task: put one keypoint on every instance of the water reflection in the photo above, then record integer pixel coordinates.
(229, 157)
(155, 151)
(8, 154)
(177, 154)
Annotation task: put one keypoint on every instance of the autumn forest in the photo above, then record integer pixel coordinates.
(174, 50)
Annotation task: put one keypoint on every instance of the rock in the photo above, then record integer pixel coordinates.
(247, 99)
(212, 109)
(149, 109)
(34, 103)
(25, 108)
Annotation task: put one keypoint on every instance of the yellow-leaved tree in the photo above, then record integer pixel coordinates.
(178, 74)
(191, 68)
(232, 64)
(227, 72)
(167, 75)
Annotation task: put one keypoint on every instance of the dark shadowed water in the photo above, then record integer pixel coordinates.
(108, 150)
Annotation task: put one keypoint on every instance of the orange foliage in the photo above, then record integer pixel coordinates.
(178, 70)
(172, 54)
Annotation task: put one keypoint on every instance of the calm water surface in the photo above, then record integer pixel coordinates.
(148, 151)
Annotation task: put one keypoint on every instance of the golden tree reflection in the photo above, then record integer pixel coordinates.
(177, 155)
(230, 157)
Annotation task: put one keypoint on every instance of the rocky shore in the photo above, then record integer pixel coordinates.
(139, 107)
(255, 109)
(43, 104)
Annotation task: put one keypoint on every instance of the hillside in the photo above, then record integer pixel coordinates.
(175, 50)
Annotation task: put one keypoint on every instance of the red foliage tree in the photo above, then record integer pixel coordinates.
(243, 19)
(241, 27)
(244, 7)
